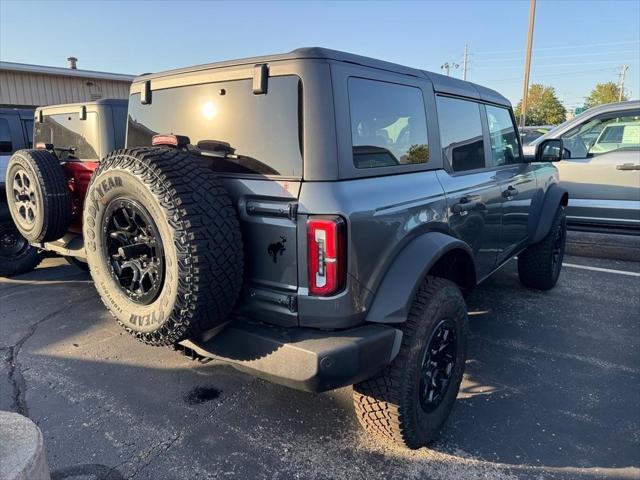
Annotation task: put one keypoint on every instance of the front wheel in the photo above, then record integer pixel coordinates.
(540, 264)
(409, 401)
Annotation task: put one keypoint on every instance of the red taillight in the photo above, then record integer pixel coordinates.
(326, 255)
(179, 141)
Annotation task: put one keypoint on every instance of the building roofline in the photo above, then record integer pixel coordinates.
(67, 72)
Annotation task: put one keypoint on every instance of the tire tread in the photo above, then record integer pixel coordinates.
(207, 238)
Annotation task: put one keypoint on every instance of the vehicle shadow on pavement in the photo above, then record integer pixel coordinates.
(535, 401)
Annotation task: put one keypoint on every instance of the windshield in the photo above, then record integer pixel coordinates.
(260, 133)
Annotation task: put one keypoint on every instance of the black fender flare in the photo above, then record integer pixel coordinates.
(398, 287)
(542, 217)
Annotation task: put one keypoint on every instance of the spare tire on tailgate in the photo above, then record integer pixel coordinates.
(38, 195)
(163, 243)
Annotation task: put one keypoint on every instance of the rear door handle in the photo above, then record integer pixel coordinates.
(628, 166)
(510, 192)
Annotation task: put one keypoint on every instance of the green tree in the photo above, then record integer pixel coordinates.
(543, 107)
(603, 93)
(418, 153)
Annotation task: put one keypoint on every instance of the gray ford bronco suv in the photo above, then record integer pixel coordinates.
(315, 218)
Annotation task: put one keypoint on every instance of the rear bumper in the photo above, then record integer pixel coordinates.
(303, 358)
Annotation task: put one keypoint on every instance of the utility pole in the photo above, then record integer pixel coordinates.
(622, 74)
(465, 61)
(527, 63)
(446, 66)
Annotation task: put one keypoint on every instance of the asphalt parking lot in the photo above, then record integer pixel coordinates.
(552, 390)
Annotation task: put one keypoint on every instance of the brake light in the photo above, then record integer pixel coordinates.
(178, 141)
(326, 255)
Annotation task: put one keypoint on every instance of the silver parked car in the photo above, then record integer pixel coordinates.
(601, 165)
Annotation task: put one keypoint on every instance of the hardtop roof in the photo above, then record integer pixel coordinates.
(441, 83)
(72, 106)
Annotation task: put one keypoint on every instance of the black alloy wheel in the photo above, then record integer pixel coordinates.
(437, 365)
(134, 250)
(557, 252)
(12, 244)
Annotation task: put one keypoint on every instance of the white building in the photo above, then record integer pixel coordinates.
(27, 86)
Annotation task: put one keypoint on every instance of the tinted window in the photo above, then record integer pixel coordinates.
(68, 131)
(598, 135)
(28, 130)
(460, 133)
(5, 137)
(388, 124)
(504, 139)
(260, 133)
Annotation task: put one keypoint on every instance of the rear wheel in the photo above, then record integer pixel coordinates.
(409, 401)
(38, 195)
(16, 255)
(163, 243)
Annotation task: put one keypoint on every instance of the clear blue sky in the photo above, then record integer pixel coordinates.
(576, 43)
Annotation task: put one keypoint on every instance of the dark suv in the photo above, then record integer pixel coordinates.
(314, 218)
(16, 131)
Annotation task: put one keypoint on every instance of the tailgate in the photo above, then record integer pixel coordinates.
(267, 211)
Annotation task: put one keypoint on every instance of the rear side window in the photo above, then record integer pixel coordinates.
(66, 130)
(388, 124)
(260, 133)
(505, 149)
(6, 146)
(460, 133)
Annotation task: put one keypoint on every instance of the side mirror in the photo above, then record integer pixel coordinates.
(550, 150)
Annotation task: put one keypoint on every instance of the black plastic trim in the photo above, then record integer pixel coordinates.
(303, 358)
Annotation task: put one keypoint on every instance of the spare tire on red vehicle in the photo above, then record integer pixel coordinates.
(38, 195)
(163, 244)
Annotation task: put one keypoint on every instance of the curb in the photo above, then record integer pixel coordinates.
(604, 245)
(22, 455)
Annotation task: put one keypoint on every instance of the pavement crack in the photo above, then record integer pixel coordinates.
(154, 452)
(16, 379)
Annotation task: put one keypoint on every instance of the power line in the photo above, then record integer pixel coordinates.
(592, 70)
(590, 54)
(544, 65)
(559, 47)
